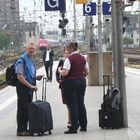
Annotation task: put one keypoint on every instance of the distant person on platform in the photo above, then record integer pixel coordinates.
(48, 56)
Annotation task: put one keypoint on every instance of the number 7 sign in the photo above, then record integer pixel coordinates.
(106, 8)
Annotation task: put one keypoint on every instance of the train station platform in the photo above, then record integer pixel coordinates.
(93, 100)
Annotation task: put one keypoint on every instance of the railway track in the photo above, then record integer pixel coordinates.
(3, 84)
(132, 55)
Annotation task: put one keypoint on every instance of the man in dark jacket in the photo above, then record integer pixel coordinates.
(48, 63)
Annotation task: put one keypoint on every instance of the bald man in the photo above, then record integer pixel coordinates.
(26, 84)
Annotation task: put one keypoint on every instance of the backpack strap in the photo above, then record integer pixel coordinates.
(23, 60)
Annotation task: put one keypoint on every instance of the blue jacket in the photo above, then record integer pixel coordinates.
(29, 68)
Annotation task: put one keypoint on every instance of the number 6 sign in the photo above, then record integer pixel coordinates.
(89, 9)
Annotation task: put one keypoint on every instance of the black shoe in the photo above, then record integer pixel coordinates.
(24, 133)
(70, 131)
(83, 129)
(27, 131)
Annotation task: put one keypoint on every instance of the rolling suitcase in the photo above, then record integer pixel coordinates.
(40, 114)
(110, 115)
(110, 120)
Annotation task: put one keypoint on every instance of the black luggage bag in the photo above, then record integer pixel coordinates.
(40, 114)
(110, 120)
(110, 114)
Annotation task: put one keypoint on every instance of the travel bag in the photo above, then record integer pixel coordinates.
(40, 114)
(110, 114)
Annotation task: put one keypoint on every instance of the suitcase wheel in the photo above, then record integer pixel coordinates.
(32, 134)
(40, 133)
(50, 132)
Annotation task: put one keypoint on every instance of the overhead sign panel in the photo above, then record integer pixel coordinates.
(55, 5)
(106, 8)
(89, 9)
(81, 1)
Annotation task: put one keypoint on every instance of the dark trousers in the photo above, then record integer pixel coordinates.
(24, 98)
(48, 68)
(74, 92)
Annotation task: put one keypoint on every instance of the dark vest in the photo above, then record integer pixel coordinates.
(77, 69)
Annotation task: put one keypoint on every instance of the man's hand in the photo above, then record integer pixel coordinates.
(39, 77)
(34, 88)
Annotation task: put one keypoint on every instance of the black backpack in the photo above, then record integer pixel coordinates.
(112, 100)
(11, 77)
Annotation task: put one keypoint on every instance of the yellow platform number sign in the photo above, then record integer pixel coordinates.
(81, 1)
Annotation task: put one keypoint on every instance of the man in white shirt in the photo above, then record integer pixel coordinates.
(48, 63)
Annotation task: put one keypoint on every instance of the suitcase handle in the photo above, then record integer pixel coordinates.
(105, 77)
(44, 89)
(36, 95)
